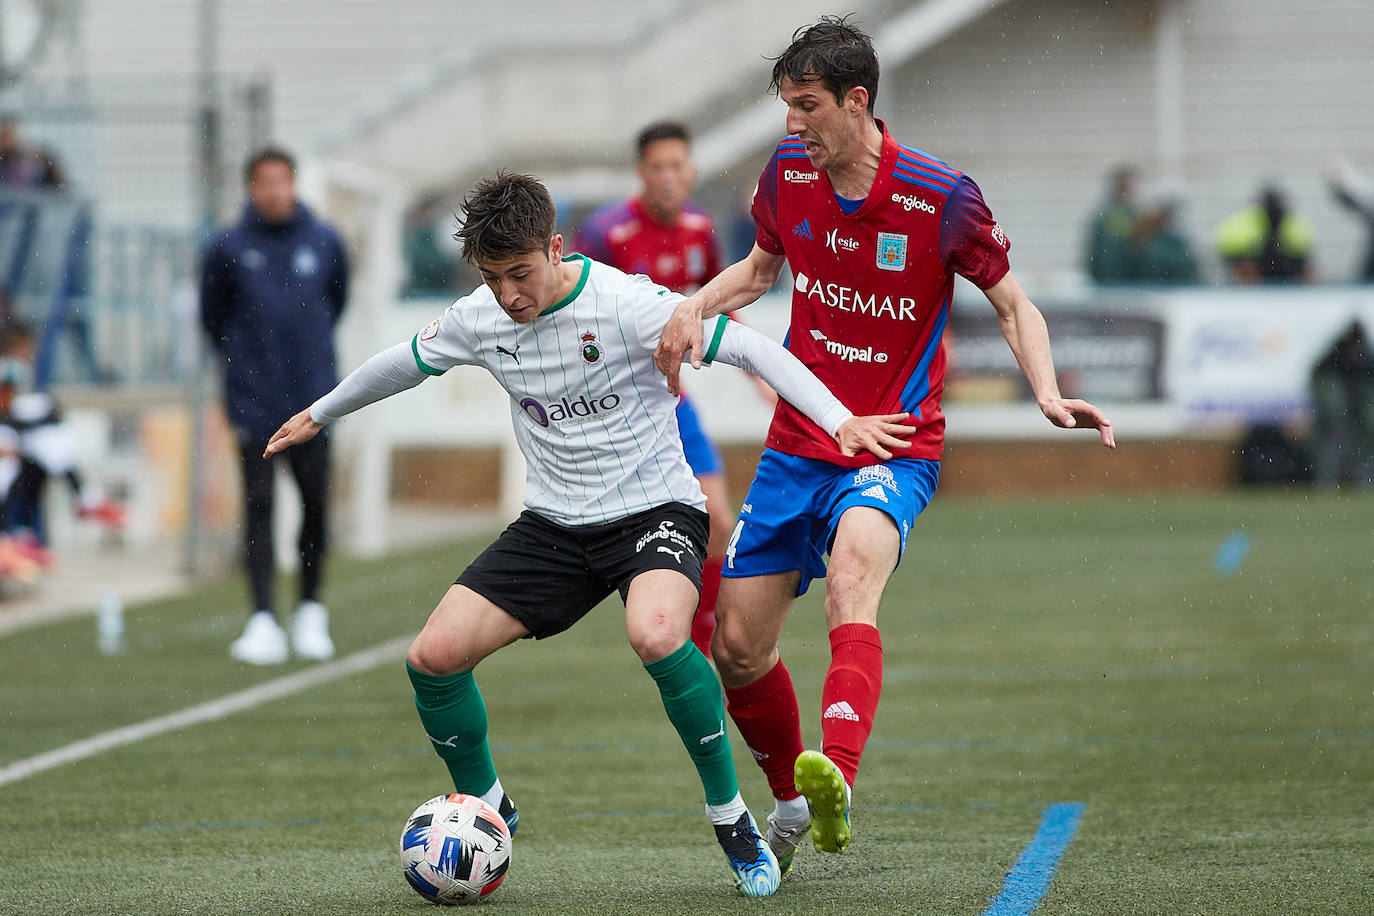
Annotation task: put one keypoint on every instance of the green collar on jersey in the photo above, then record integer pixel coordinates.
(577, 290)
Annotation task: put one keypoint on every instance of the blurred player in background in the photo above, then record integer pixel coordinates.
(663, 235)
(272, 289)
(874, 232)
(611, 503)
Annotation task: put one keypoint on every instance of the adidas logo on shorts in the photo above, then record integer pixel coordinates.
(875, 491)
(840, 710)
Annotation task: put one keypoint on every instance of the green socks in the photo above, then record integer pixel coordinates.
(692, 698)
(455, 718)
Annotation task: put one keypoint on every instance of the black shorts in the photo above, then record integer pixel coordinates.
(548, 576)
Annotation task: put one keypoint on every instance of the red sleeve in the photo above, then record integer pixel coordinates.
(765, 209)
(972, 243)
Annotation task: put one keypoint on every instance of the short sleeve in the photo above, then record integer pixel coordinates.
(765, 209)
(972, 243)
(445, 342)
(651, 307)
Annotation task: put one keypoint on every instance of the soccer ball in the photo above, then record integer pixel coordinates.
(455, 849)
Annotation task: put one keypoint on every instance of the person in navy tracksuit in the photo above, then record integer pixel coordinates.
(272, 289)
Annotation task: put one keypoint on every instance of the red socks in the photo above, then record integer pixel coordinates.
(704, 623)
(765, 712)
(849, 698)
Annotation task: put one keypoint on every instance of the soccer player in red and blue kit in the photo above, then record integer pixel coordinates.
(661, 234)
(874, 232)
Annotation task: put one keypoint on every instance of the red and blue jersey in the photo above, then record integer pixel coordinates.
(872, 286)
(681, 256)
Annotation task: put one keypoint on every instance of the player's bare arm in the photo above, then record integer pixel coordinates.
(298, 429)
(734, 287)
(1024, 328)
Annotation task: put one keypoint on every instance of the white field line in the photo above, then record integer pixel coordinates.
(358, 662)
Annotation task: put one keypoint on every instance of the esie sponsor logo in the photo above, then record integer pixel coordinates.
(837, 244)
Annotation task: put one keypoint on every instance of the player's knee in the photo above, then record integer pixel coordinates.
(738, 659)
(852, 594)
(658, 637)
(428, 656)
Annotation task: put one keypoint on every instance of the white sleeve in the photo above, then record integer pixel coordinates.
(742, 346)
(389, 372)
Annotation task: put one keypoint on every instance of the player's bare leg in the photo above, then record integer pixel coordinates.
(464, 629)
(750, 617)
(862, 557)
(658, 614)
(722, 524)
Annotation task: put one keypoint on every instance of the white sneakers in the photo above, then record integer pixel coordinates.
(310, 632)
(264, 641)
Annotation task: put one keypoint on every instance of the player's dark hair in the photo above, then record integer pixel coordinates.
(265, 155)
(832, 52)
(662, 130)
(506, 216)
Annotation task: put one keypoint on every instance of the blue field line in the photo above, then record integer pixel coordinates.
(1030, 877)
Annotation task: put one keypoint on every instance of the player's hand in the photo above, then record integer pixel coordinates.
(1072, 413)
(876, 434)
(681, 334)
(294, 431)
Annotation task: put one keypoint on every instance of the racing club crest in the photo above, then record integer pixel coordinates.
(891, 251)
(591, 348)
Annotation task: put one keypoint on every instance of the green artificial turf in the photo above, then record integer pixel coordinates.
(1216, 725)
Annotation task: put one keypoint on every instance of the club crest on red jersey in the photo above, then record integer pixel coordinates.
(891, 251)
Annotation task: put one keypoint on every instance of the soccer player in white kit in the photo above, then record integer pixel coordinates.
(611, 503)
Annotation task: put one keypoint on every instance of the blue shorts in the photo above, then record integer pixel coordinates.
(702, 456)
(794, 505)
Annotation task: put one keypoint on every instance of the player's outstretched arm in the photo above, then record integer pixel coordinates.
(766, 358)
(734, 287)
(1024, 328)
(386, 373)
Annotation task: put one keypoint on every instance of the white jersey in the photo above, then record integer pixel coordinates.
(592, 413)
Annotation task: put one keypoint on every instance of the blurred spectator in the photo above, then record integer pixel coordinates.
(23, 166)
(1343, 402)
(1127, 245)
(1164, 255)
(45, 448)
(1355, 191)
(429, 268)
(272, 289)
(1266, 242)
(1110, 250)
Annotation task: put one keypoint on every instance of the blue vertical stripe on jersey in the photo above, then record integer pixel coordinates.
(918, 385)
